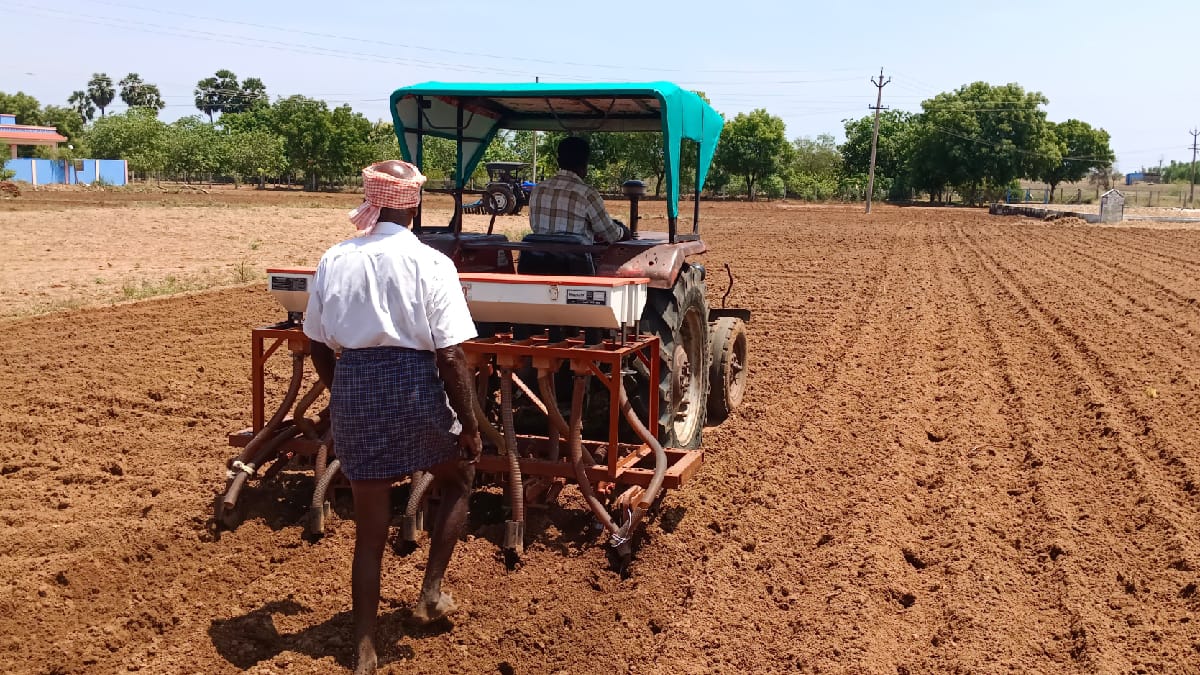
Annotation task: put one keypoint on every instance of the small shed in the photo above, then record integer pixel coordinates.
(1112, 207)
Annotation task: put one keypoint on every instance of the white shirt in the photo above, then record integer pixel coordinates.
(387, 289)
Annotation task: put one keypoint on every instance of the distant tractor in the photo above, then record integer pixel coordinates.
(595, 365)
(507, 189)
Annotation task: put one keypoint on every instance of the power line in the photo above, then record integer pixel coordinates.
(442, 50)
(243, 41)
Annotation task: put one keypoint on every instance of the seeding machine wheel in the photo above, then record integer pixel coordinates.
(679, 317)
(727, 374)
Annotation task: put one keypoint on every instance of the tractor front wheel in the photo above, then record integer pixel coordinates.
(679, 317)
(727, 373)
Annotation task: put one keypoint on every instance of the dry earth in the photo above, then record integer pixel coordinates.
(969, 445)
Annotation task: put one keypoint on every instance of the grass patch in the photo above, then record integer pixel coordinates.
(149, 289)
(245, 272)
(64, 305)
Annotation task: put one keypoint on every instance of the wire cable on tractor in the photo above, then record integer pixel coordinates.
(615, 355)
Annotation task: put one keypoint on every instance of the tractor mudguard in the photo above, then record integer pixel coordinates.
(658, 262)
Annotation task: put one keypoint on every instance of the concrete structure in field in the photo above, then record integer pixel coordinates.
(68, 172)
(15, 135)
(1112, 207)
(54, 171)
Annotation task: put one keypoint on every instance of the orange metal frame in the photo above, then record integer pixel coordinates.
(542, 354)
(626, 463)
(296, 340)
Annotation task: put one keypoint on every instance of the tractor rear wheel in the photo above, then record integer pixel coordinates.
(727, 375)
(679, 317)
(502, 198)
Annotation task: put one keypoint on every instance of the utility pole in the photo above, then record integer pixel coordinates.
(879, 84)
(1192, 192)
(536, 80)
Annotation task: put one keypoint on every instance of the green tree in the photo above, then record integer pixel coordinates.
(82, 104)
(1177, 172)
(255, 155)
(382, 139)
(979, 139)
(320, 143)
(100, 90)
(207, 97)
(897, 135)
(753, 146)
(27, 108)
(1074, 150)
(253, 94)
(813, 169)
(303, 123)
(348, 148)
(641, 157)
(220, 93)
(138, 94)
(438, 156)
(136, 136)
(257, 118)
(66, 120)
(193, 149)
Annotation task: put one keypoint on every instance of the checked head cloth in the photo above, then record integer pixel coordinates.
(392, 184)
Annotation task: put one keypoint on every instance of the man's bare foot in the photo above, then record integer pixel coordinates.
(428, 611)
(368, 662)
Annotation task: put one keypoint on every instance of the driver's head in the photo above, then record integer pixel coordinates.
(573, 155)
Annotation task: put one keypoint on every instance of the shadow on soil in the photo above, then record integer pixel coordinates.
(247, 640)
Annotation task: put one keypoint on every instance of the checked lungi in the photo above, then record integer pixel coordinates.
(390, 413)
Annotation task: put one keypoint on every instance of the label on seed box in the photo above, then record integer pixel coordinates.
(580, 297)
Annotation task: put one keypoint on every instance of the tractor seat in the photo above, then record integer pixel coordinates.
(555, 263)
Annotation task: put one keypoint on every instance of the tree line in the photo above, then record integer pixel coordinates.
(976, 141)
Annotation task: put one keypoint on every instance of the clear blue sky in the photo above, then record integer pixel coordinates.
(1127, 67)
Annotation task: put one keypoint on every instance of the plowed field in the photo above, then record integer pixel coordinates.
(970, 444)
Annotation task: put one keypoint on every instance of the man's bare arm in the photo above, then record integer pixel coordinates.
(452, 367)
(324, 360)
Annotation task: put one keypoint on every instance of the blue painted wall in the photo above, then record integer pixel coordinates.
(113, 171)
(23, 169)
(50, 171)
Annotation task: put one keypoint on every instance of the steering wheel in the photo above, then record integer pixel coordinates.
(626, 233)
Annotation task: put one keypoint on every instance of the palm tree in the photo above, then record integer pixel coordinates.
(82, 104)
(100, 90)
(138, 94)
(208, 96)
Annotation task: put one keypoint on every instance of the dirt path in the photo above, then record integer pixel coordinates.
(969, 445)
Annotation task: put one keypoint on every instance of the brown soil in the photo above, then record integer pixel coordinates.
(969, 444)
(63, 252)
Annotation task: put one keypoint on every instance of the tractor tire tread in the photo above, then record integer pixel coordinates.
(663, 316)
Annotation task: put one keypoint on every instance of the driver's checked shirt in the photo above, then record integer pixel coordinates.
(564, 204)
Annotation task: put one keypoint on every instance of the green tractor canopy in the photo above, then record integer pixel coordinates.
(472, 113)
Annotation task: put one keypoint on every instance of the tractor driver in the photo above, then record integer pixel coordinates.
(564, 204)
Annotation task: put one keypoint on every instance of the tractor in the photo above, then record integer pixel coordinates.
(507, 190)
(611, 352)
